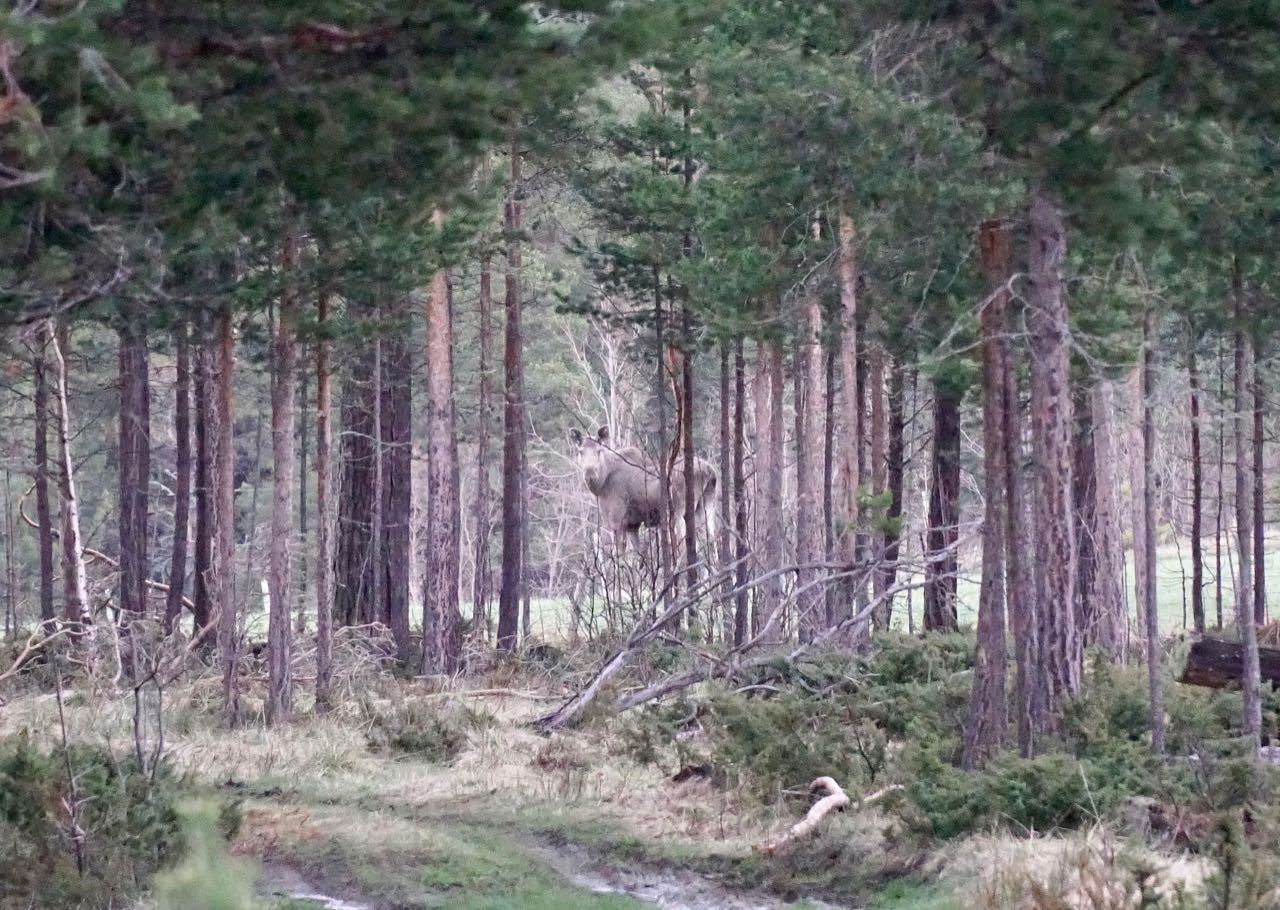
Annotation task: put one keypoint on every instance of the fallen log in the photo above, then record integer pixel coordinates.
(1219, 664)
(835, 799)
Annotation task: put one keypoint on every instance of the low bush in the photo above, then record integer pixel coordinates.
(426, 729)
(93, 848)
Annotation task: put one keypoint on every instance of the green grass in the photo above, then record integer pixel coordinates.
(905, 895)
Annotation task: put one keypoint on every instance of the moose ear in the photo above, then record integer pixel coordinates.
(576, 437)
(603, 435)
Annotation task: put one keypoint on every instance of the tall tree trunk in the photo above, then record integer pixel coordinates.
(727, 489)
(442, 639)
(395, 424)
(378, 493)
(879, 451)
(1111, 624)
(135, 466)
(850, 400)
(1259, 490)
(324, 513)
(988, 720)
(1137, 487)
(761, 473)
(837, 606)
(44, 513)
(1055, 544)
(1222, 457)
(1084, 499)
(773, 506)
(76, 608)
(221, 585)
(684, 442)
(1251, 724)
(484, 491)
(203, 390)
(304, 438)
(182, 480)
(810, 433)
(283, 379)
(1020, 602)
(944, 494)
(1197, 489)
(355, 552)
(740, 617)
(1151, 613)
(512, 423)
(895, 469)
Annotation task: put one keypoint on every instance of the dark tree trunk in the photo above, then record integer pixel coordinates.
(304, 440)
(221, 586)
(324, 514)
(1251, 724)
(205, 408)
(688, 519)
(1222, 458)
(773, 516)
(1084, 495)
(879, 448)
(1110, 625)
(484, 493)
(44, 513)
(283, 380)
(182, 480)
(1055, 545)
(135, 466)
(944, 516)
(396, 425)
(836, 602)
(1197, 490)
(378, 492)
(727, 491)
(512, 424)
(442, 637)
(988, 721)
(740, 618)
(1019, 590)
(1259, 490)
(1151, 614)
(810, 433)
(355, 557)
(850, 395)
(895, 470)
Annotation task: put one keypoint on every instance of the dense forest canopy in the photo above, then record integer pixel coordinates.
(707, 339)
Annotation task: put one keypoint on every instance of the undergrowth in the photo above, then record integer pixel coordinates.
(82, 828)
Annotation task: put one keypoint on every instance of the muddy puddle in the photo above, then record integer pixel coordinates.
(668, 888)
(284, 882)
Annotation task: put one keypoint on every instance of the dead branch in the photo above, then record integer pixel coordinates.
(38, 641)
(91, 553)
(835, 799)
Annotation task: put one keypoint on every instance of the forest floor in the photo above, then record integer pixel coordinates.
(515, 819)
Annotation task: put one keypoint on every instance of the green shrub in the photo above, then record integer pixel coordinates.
(1038, 794)
(128, 819)
(424, 729)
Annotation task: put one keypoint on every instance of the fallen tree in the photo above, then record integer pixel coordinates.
(835, 799)
(733, 661)
(1219, 664)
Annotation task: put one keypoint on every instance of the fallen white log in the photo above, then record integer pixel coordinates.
(836, 799)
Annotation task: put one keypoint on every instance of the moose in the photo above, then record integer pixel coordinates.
(628, 489)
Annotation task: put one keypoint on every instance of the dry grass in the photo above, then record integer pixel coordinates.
(329, 780)
(1091, 870)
